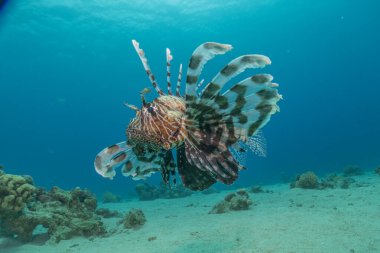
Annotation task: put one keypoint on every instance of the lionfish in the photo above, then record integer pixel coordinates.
(209, 129)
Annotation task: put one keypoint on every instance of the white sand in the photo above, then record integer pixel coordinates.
(287, 220)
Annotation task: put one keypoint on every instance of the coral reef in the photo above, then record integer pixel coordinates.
(377, 170)
(135, 218)
(109, 197)
(352, 171)
(15, 192)
(233, 202)
(307, 180)
(164, 191)
(63, 213)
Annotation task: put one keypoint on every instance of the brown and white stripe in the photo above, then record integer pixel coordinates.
(201, 55)
(199, 85)
(144, 61)
(179, 81)
(232, 69)
(169, 57)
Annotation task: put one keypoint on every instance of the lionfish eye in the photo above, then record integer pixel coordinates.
(150, 109)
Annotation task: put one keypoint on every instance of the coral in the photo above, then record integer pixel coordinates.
(15, 192)
(233, 202)
(135, 218)
(109, 197)
(352, 171)
(333, 181)
(164, 191)
(307, 180)
(377, 170)
(63, 213)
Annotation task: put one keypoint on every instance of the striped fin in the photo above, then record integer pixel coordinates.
(179, 80)
(239, 152)
(248, 105)
(110, 158)
(199, 85)
(130, 161)
(192, 176)
(205, 151)
(142, 163)
(232, 69)
(169, 57)
(221, 127)
(199, 58)
(144, 61)
(256, 144)
(168, 167)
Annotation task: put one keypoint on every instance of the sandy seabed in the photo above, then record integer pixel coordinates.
(285, 220)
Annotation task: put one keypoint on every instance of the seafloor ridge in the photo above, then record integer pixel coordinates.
(308, 214)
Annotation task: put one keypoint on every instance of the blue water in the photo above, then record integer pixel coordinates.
(66, 67)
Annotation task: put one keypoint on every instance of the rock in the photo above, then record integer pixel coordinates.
(333, 181)
(377, 170)
(135, 218)
(352, 171)
(306, 180)
(233, 202)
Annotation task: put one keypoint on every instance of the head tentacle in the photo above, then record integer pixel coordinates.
(169, 57)
(144, 61)
(177, 92)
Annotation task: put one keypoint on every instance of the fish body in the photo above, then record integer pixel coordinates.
(211, 128)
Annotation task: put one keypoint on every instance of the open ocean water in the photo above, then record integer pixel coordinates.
(67, 67)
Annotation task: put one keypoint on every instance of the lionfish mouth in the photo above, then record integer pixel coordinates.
(211, 127)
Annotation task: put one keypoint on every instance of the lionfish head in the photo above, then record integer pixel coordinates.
(158, 124)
